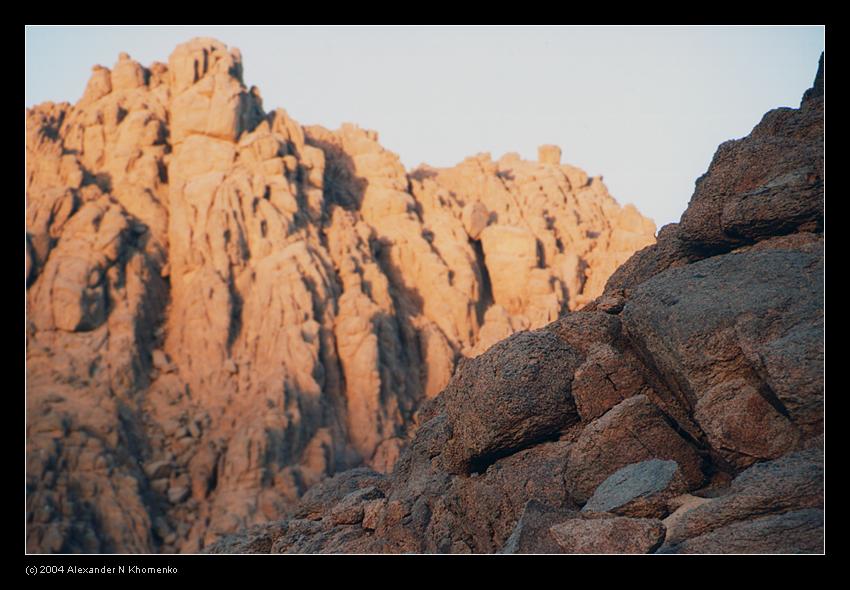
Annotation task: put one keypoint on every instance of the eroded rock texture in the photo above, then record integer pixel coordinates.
(681, 411)
(225, 308)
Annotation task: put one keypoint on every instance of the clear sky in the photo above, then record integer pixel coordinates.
(645, 107)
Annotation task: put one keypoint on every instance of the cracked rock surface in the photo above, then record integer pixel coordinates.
(226, 308)
(680, 411)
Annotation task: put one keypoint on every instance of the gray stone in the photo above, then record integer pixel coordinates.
(640, 489)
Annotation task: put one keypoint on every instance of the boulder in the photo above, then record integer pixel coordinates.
(767, 184)
(745, 354)
(633, 431)
(516, 394)
(475, 219)
(793, 482)
(798, 531)
(638, 490)
(549, 154)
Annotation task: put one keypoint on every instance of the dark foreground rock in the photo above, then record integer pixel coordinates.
(608, 535)
(680, 412)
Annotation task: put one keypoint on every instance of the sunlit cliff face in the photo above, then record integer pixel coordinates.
(225, 307)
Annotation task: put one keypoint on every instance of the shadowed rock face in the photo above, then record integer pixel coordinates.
(225, 308)
(681, 411)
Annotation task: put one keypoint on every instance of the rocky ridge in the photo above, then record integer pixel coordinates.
(679, 412)
(224, 307)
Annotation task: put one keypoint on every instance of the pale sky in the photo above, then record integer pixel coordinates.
(645, 107)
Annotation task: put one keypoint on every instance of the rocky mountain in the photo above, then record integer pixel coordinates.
(679, 412)
(224, 308)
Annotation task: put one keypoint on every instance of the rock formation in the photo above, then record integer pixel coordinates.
(224, 308)
(679, 412)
